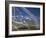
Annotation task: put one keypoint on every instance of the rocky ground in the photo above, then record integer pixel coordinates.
(25, 26)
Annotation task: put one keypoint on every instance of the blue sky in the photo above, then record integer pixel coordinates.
(34, 11)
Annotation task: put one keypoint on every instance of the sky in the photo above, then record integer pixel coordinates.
(21, 10)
